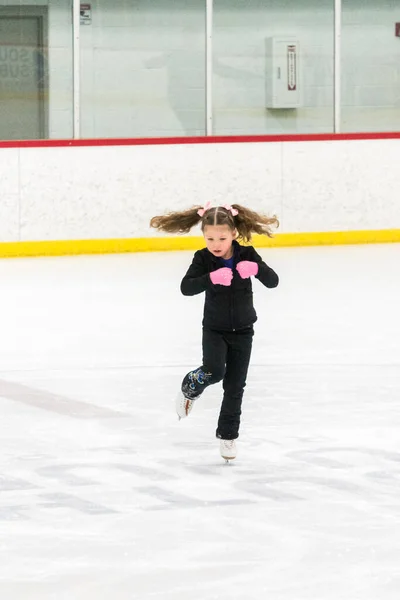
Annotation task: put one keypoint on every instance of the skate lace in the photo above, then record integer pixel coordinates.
(229, 443)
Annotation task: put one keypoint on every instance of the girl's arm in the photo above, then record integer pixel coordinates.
(265, 274)
(197, 279)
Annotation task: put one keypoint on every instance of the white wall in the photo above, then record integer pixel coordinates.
(112, 192)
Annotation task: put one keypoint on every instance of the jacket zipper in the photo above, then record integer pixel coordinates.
(232, 310)
(233, 298)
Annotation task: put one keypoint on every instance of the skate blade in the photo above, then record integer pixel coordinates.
(228, 460)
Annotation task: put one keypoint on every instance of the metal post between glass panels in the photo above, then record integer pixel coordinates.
(209, 66)
(337, 64)
(76, 67)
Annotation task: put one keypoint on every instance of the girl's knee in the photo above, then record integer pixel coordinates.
(217, 375)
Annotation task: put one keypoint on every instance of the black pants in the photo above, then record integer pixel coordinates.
(226, 356)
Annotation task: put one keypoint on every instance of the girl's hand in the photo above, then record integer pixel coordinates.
(247, 268)
(222, 276)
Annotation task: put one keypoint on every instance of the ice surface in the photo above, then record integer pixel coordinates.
(105, 495)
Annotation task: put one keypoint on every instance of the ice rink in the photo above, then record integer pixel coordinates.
(106, 496)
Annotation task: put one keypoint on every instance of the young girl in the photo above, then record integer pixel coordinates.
(222, 270)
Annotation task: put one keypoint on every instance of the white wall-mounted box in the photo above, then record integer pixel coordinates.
(282, 72)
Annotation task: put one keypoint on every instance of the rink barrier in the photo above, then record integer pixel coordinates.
(32, 211)
(162, 244)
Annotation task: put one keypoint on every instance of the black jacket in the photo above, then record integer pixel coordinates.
(226, 308)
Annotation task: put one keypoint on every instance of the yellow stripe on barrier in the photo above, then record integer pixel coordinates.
(329, 238)
(162, 244)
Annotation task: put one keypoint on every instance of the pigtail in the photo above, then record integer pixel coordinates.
(244, 220)
(248, 221)
(177, 222)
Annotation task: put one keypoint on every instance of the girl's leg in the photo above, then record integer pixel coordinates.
(237, 363)
(212, 369)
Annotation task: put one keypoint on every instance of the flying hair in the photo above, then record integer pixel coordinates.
(246, 222)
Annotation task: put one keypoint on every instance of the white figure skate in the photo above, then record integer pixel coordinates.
(183, 406)
(227, 449)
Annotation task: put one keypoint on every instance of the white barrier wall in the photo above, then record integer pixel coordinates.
(52, 193)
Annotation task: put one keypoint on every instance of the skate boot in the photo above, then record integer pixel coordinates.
(192, 386)
(227, 449)
(183, 405)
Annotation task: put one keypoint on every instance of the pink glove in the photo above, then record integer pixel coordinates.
(221, 276)
(247, 268)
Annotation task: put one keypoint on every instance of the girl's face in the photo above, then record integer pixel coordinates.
(219, 240)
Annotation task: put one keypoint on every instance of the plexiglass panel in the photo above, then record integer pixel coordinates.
(273, 66)
(370, 66)
(143, 69)
(35, 70)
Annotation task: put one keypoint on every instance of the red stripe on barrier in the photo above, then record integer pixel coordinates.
(228, 139)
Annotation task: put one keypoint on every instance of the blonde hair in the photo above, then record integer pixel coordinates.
(246, 222)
